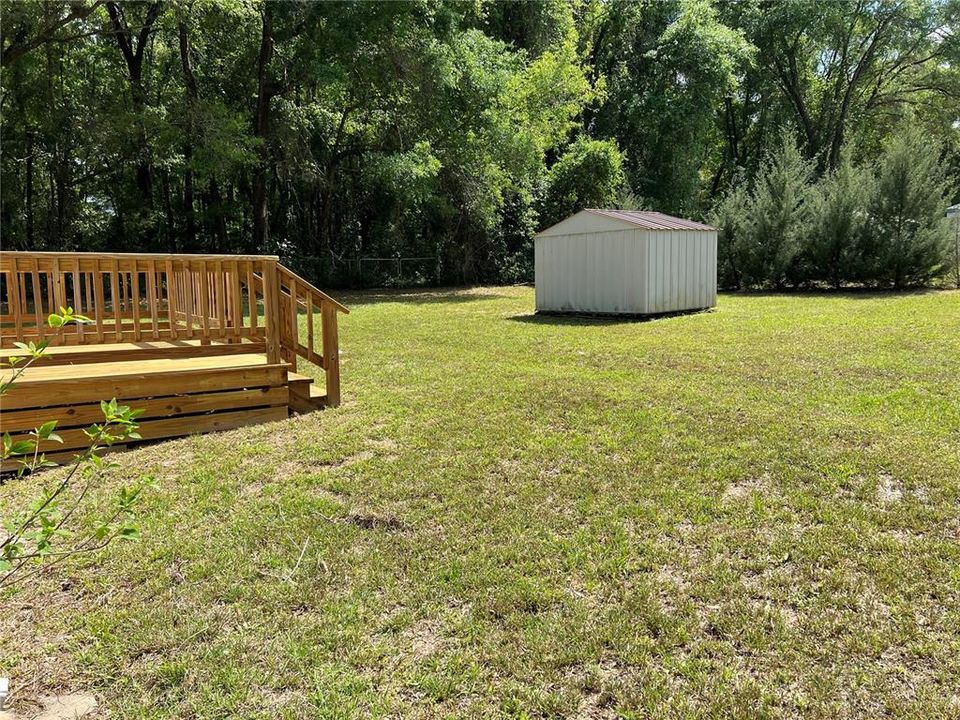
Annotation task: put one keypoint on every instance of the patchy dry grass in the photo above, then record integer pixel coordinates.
(751, 512)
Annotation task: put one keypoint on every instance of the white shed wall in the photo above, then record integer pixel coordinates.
(681, 272)
(589, 272)
(626, 271)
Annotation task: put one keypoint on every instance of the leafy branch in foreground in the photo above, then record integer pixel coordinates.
(31, 535)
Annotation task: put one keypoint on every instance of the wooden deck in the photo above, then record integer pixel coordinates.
(200, 343)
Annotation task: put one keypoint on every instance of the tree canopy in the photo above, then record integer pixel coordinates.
(454, 131)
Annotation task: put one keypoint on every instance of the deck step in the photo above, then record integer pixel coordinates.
(179, 396)
(55, 385)
(305, 397)
(146, 350)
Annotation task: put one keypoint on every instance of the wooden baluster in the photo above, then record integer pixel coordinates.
(152, 298)
(78, 296)
(252, 298)
(236, 302)
(51, 297)
(115, 297)
(119, 303)
(221, 297)
(171, 299)
(135, 287)
(88, 292)
(101, 300)
(271, 310)
(57, 301)
(188, 282)
(331, 352)
(15, 293)
(205, 301)
(311, 355)
(23, 289)
(37, 297)
(294, 329)
(52, 307)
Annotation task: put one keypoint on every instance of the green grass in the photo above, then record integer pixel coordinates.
(751, 512)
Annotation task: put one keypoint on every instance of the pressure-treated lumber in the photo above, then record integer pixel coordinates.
(76, 439)
(198, 342)
(84, 415)
(146, 350)
(138, 382)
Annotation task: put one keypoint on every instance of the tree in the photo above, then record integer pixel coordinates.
(838, 220)
(667, 65)
(588, 174)
(327, 131)
(779, 216)
(731, 217)
(839, 64)
(908, 234)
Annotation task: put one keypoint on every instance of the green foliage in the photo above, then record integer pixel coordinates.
(838, 223)
(731, 218)
(875, 225)
(908, 233)
(667, 66)
(778, 216)
(953, 250)
(328, 131)
(588, 174)
(40, 532)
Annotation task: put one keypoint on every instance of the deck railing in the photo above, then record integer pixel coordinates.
(133, 297)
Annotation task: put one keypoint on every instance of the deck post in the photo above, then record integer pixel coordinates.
(331, 352)
(271, 310)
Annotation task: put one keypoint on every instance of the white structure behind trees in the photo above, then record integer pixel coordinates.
(625, 262)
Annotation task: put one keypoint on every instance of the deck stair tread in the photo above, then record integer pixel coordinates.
(145, 350)
(39, 373)
(298, 378)
(108, 349)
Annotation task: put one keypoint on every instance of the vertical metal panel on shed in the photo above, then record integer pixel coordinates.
(601, 262)
(681, 273)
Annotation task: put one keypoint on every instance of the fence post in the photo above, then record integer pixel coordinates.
(331, 352)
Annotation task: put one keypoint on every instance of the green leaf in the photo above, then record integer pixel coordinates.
(46, 430)
(22, 447)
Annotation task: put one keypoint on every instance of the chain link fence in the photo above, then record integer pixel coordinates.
(363, 272)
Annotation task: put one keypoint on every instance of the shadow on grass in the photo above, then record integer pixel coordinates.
(418, 296)
(542, 318)
(843, 294)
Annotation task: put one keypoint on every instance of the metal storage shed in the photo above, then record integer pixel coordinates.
(625, 262)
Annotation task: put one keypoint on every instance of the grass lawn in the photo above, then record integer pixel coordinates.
(751, 512)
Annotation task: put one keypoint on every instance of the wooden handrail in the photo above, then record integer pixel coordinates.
(141, 296)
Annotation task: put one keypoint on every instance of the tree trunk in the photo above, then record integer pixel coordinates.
(168, 211)
(261, 127)
(29, 190)
(133, 57)
(219, 221)
(190, 82)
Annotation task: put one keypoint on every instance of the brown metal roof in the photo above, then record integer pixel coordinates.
(652, 220)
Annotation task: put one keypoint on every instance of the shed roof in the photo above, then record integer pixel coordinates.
(652, 220)
(593, 221)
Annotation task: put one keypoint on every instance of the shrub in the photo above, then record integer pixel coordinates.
(589, 174)
(907, 242)
(778, 214)
(40, 533)
(838, 220)
(731, 216)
